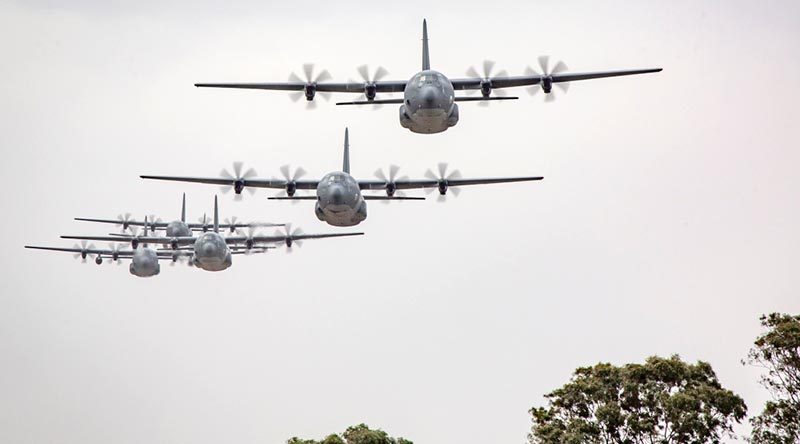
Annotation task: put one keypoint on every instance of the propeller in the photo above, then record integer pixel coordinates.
(370, 89)
(179, 256)
(231, 222)
(238, 180)
(291, 178)
(442, 181)
(124, 221)
(546, 83)
(310, 88)
(204, 221)
(248, 235)
(486, 82)
(289, 234)
(84, 253)
(115, 249)
(152, 221)
(391, 186)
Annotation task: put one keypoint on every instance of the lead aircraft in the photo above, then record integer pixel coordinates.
(429, 97)
(339, 200)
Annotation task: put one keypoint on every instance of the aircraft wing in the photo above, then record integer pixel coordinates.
(535, 79)
(410, 184)
(133, 223)
(278, 184)
(180, 240)
(80, 250)
(284, 238)
(382, 86)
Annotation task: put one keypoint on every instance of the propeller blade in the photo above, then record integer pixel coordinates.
(544, 62)
(308, 70)
(487, 68)
(380, 73)
(363, 71)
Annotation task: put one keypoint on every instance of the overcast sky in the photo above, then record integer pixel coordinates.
(666, 223)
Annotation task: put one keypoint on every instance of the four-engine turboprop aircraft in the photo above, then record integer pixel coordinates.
(339, 198)
(144, 260)
(210, 249)
(177, 227)
(428, 103)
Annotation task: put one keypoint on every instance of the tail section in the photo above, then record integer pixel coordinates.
(183, 209)
(346, 161)
(216, 215)
(426, 58)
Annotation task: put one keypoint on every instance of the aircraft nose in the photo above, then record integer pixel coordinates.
(208, 249)
(428, 98)
(336, 196)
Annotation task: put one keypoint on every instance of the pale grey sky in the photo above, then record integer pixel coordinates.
(666, 223)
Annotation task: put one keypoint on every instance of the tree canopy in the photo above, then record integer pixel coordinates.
(357, 434)
(664, 400)
(778, 352)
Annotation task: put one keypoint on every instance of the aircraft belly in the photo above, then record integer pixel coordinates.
(342, 215)
(429, 121)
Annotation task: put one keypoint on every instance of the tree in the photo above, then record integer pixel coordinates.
(358, 434)
(664, 400)
(778, 352)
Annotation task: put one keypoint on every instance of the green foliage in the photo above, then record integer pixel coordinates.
(358, 434)
(660, 401)
(778, 352)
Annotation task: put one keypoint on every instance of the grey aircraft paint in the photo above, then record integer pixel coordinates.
(211, 252)
(428, 104)
(339, 199)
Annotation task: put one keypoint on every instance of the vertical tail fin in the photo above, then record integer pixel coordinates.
(346, 161)
(183, 209)
(145, 231)
(216, 215)
(426, 58)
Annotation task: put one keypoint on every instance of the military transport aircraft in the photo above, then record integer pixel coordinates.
(179, 227)
(339, 200)
(428, 104)
(144, 260)
(210, 250)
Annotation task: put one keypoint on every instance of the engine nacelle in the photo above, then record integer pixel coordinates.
(442, 187)
(134, 243)
(486, 87)
(291, 188)
(238, 186)
(98, 260)
(391, 187)
(173, 243)
(370, 90)
(310, 91)
(547, 84)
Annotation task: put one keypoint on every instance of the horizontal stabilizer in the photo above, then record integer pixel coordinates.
(483, 99)
(369, 197)
(372, 102)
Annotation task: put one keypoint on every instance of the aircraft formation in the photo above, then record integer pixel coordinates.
(428, 106)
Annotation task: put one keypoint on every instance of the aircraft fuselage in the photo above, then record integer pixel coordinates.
(211, 252)
(144, 263)
(428, 103)
(339, 200)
